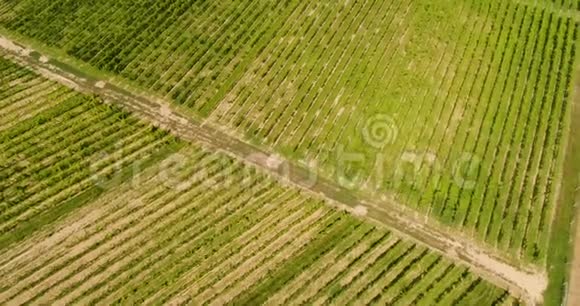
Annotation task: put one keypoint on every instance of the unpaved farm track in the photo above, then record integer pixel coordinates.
(528, 284)
(573, 298)
(573, 294)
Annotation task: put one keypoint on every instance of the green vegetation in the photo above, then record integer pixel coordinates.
(475, 93)
(220, 232)
(560, 257)
(60, 148)
(460, 110)
(100, 208)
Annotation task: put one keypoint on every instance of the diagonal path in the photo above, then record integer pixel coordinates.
(573, 287)
(525, 282)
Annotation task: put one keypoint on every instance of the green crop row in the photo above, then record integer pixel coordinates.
(155, 243)
(60, 144)
(484, 80)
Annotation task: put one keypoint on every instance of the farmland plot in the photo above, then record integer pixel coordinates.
(185, 50)
(175, 223)
(58, 147)
(470, 131)
(459, 109)
(203, 228)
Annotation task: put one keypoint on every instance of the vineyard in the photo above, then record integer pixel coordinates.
(219, 232)
(489, 106)
(485, 98)
(59, 147)
(184, 224)
(459, 111)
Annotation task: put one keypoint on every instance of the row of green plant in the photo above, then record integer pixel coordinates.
(155, 242)
(65, 150)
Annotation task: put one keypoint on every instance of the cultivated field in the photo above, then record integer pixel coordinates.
(184, 226)
(472, 100)
(231, 235)
(59, 147)
(459, 111)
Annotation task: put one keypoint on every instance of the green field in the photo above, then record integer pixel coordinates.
(184, 224)
(249, 243)
(58, 145)
(460, 110)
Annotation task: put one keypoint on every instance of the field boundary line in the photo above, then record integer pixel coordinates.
(527, 283)
(572, 293)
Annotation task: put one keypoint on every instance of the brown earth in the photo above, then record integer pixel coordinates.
(573, 294)
(574, 288)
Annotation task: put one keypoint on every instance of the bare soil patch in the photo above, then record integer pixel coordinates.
(574, 288)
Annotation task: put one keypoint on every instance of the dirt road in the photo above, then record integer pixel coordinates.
(573, 298)
(526, 284)
(573, 293)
